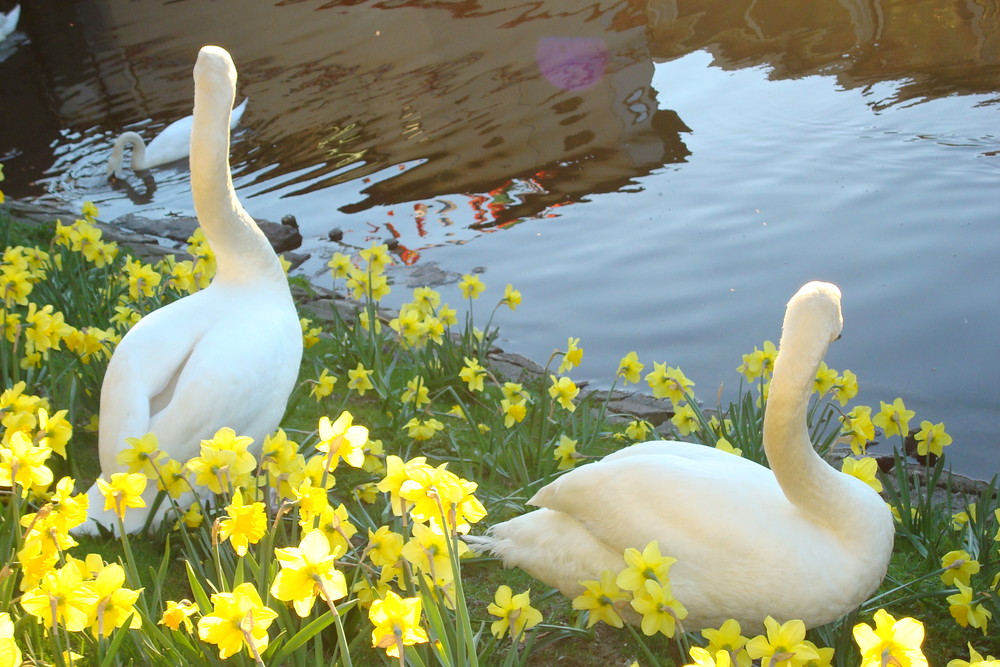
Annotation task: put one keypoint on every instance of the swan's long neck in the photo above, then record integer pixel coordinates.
(806, 479)
(242, 251)
(118, 153)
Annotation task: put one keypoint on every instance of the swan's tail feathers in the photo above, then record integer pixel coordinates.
(481, 544)
(234, 119)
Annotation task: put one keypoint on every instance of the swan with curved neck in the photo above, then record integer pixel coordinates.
(225, 356)
(171, 145)
(797, 541)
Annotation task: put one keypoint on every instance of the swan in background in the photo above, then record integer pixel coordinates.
(8, 22)
(225, 356)
(170, 145)
(798, 541)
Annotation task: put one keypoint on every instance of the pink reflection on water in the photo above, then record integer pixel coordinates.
(572, 63)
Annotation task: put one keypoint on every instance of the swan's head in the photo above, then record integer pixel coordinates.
(816, 306)
(214, 68)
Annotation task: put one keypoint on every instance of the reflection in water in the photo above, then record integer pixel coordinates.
(343, 90)
(137, 197)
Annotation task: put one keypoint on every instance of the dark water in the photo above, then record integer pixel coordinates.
(653, 176)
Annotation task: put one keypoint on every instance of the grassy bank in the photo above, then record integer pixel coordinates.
(340, 540)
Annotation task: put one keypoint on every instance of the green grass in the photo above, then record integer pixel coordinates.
(508, 463)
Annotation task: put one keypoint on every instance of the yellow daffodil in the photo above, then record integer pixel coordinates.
(245, 524)
(384, 546)
(759, 363)
(629, 368)
(54, 431)
(340, 265)
(975, 660)
(416, 392)
(858, 426)
(932, 439)
(685, 419)
(966, 611)
(669, 382)
(342, 439)
(845, 388)
(422, 429)
(308, 571)
(172, 478)
(515, 613)
(398, 472)
(437, 493)
(335, 524)
(471, 286)
(705, 658)
(894, 418)
(565, 453)
(865, 469)
(177, 614)
(473, 374)
(601, 600)
(426, 300)
(22, 462)
(784, 646)
(511, 297)
(514, 392)
(360, 379)
(890, 642)
(10, 653)
(323, 385)
(376, 256)
(427, 551)
(727, 638)
(62, 597)
(638, 430)
(642, 565)
(122, 492)
(142, 279)
(513, 413)
(660, 611)
(141, 455)
(115, 603)
(825, 380)
(572, 356)
(237, 619)
(225, 462)
(310, 334)
(397, 623)
(726, 446)
(960, 519)
(563, 391)
(959, 566)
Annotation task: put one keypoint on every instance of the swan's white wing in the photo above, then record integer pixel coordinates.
(173, 143)
(689, 498)
(239, 375)
(143, 367)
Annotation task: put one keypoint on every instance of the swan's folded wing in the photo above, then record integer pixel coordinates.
(144, 366)
(685, 503)
(239, 376)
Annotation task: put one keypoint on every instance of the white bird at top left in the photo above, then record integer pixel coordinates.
(8, 22)
(170, 145)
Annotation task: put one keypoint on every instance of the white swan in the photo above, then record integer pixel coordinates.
(8, 22)
(170, 145)
(225, 356)
(800, 540)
